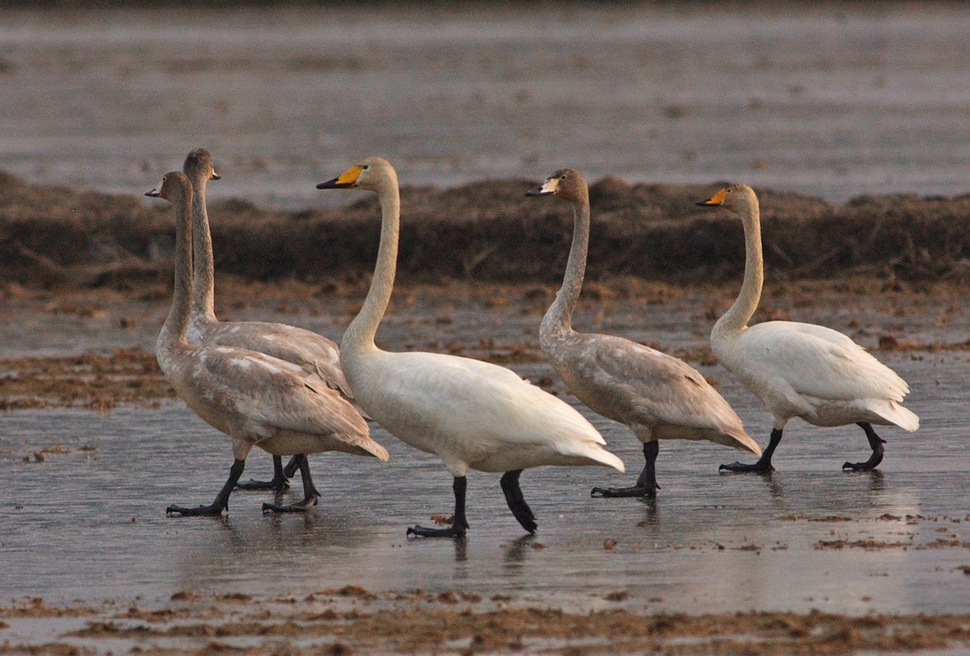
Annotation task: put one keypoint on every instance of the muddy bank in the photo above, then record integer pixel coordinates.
(58, 237)
(353, 620)
(94, 348)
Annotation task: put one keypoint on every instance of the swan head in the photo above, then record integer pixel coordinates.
(173, 187)
(567, 184)
(372, 173)
(737, 198)
(198, 165)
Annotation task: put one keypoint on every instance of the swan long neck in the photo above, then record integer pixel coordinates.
(736, 318)
(359, 336)
(176, 325)
(203, 303)
(558, 318)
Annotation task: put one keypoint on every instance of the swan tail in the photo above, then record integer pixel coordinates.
(740, 440)
(376, 450)
(597, 455)
(364, 446)
(894, 413)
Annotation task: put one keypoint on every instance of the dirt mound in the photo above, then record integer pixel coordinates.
(489, 230)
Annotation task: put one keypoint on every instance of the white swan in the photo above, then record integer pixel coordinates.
(655, 394)
(256, 399)
(799, 369)
(315, 353)
(469, 413)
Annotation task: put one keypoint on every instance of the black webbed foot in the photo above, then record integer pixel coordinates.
(646, 485)
(450, 532)
(279, 482)
(741, 468)
(310, 493)
(876, 443)
(459, 524)
(221, 501)
(621, 492)
(274, 485)
(763, 466)
(214, 510)
(302, 506)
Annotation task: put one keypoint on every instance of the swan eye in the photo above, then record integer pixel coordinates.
(365, 166)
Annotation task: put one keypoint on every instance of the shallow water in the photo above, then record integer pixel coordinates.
(90, 524)
(829, 100)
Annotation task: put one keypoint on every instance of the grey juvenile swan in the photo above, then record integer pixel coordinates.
(256, 399)
(471, 414)
(315, 353)
(800, 369)
(657, 395)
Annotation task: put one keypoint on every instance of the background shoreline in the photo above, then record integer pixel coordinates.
(486, 231)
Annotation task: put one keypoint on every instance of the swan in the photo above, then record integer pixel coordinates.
(315, 353)
(256, 399)
(800, 369)
(656, 395)
(471, 414)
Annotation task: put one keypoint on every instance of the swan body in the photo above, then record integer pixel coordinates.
(656, 395)
(800, 369)
(316, 354)
(256, 399)
(472, 414)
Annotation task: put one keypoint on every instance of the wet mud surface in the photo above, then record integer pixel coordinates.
(355, 620)
(810, 559)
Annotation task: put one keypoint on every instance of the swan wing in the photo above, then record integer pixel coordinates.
(654, 393)
(467, 410)
(313, 352)
(268, 395)
(819, 362)
(658, 385)
(468, 395)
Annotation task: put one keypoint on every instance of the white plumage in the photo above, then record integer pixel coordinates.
(471, 414)
(799, 369)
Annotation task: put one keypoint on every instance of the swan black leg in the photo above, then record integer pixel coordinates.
(646, 485)
(222, 499)
(293, 465)
(458, 526)
(517, 504)
(763, 466)
(279, 482)
(876, 443)
(310, 493)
